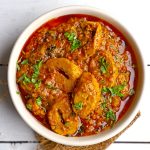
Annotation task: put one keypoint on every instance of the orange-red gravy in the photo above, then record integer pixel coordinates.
(32, 44)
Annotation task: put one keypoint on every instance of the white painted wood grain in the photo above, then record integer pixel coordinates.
(140, 130)
(12, 127)
(129, 147)
(16, 15)
(26, 146)
(33, 146)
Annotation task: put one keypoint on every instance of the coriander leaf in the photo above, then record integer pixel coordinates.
(29, 106)
(71, 36)
(26, 80)
(33, 80)
(24, 62)
(18, 67)
(78, 106)
(37, 84)
(38, 101)
(21, 78)
(105, 90)
(103, 65)
(103, 69)
(131, 92)
(39, 64)
(76, 44)
(17, 92)
(115, 91)
(67, 124)
(35, 75)
(110, 115)
(67, 34)
(50, 86)
(103, 105)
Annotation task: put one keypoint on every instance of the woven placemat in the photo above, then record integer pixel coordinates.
(45, 144)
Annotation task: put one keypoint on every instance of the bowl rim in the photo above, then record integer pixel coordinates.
(27, 116)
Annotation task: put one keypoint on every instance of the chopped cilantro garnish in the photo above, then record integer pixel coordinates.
(78, 106)
(38, 101)
(33, 80)
(110, 115)
(22, 77)
(103, 69)
(17, 92)
(103, 65)
(37, 66)
(29, 106)
(18, 67)
(71, 36)
(103, 105)
(50, 86)
(75, 43)
(24, 62)
(25, 79)
(105, 90)
(115, 91)
(67, 124)
(35, 75)
(131, 92)
(37, 84)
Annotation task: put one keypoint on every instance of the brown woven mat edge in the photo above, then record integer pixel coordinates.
(45, 144)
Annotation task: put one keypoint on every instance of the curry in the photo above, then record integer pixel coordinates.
(77, 75)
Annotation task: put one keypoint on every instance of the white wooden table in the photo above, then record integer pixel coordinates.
(15, 15)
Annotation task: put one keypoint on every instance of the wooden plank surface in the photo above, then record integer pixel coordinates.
(128, 146)
(12, 127)
(115, 146)
(26, 146)
(16, 15)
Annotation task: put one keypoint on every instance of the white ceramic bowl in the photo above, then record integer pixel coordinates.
(35, 124)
